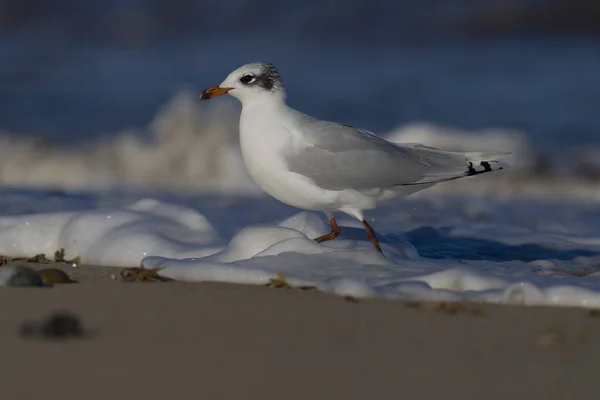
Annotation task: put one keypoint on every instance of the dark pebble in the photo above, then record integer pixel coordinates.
(61, 325)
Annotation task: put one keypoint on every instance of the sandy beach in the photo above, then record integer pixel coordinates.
(456, 145)
(225, 341)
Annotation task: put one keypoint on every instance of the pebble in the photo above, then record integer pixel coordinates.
(60, 325)
(20, 275)
(53, 276)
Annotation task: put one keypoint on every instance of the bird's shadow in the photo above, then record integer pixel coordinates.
(437, 243)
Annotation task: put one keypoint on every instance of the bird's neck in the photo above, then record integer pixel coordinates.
(266, 102)
(261, 114)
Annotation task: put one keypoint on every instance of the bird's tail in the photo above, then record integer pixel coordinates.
(476, 163)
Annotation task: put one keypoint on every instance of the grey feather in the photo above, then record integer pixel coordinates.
(344, 157)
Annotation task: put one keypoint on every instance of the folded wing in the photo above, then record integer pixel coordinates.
(341, 157)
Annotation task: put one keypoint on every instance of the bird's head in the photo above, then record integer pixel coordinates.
(248, 82)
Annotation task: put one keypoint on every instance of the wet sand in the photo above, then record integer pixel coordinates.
(223, 341)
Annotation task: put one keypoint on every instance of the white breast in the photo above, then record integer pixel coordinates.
(265, 141)
(266, 138)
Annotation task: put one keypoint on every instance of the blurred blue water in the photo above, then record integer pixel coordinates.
(400, 65)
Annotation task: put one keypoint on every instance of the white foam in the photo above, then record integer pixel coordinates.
(349, 266)
(186, 146)
(501, 255)
(119, 237)
(365, 273)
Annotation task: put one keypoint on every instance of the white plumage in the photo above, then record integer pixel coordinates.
(327, 166)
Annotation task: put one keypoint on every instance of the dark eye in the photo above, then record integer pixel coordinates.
(247, 79)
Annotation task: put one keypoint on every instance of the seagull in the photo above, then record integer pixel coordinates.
(327, 166)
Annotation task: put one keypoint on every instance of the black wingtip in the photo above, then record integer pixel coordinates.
(487, 167)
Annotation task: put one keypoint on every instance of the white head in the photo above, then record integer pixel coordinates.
(249, 82)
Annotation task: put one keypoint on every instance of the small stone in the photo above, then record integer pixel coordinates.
(350, 299)
(53, 276)
(20, 275)
(60, 325)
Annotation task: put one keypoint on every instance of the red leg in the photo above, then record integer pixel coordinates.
(372, 236)
(335, 232)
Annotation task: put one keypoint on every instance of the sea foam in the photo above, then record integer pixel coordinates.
(512, 253)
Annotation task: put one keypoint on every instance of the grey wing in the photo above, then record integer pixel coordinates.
(344, 157)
